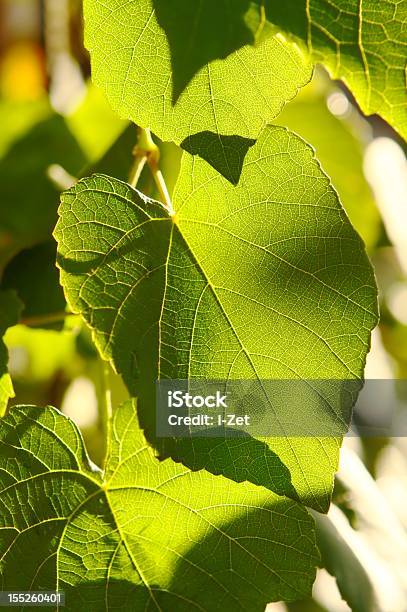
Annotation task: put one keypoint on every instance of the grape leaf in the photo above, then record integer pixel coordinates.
(362, 42)
(29, 200)
(143, 535)
(343, 162)
(34, 276)
(264, 280)
(94, 124)
(182, 67)
(10, 308)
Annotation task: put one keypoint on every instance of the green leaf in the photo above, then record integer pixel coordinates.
(34, 276)
(48, 354)
(94, 124)
(343, 162)
(29, 200)
(362, 42)
(340, 552)
(183, 67)
(10, 308)
(17, 118)
(144, 535)
(264, 280)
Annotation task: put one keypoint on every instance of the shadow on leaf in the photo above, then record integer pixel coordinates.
(227, 564)
(225, 153)
(241, 458)
(201, 32)
(289, 16)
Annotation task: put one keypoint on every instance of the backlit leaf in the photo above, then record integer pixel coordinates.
(184, 67)
(362, 42)
(265, 279)
(340, 152)
(144, 535)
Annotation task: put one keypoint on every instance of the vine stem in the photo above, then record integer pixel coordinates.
(161, 186)
(107, 392)
(146, 151)
(105, 405)
(55, 317)
(137, 167)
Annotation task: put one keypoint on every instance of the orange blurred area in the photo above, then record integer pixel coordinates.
(22, 72)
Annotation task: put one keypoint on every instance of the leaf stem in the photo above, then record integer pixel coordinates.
(47, 319)
(137, 167)
(105, 406)
(146, 150)
(107, 392)
(161, 185)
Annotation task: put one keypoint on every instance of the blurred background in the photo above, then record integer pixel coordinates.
(55, 127)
